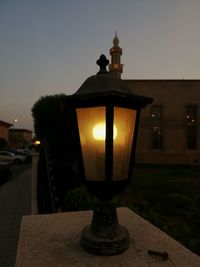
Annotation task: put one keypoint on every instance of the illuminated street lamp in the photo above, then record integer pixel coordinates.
(107, 115)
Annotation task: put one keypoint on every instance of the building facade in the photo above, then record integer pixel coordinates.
(4, 130)
(170, 127)
(20, 137)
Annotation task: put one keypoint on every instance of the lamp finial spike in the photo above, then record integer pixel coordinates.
(102, 62)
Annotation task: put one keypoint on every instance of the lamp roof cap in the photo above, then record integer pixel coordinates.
(104, 86)
(103, 81)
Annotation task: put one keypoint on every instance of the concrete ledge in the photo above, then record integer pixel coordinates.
(53, 240)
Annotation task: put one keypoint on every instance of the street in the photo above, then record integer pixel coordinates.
(18, 168)
(15, 201)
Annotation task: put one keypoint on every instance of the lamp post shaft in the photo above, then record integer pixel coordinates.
(105, 222)
(105, 236)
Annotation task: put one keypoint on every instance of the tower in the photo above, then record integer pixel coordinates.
(116, 68)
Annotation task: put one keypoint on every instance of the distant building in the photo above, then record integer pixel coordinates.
(4, 130)
(19, 137)
(170, 127)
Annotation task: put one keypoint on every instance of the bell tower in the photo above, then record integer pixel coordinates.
(116, 68)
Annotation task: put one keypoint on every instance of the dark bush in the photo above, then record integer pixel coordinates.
(79, 199)
(181, 201)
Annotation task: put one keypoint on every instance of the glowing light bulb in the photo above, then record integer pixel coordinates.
(99, 131)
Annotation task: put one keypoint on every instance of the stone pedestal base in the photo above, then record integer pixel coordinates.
(105, 246)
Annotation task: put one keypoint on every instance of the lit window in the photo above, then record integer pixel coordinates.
(156, 127)
(191, 127)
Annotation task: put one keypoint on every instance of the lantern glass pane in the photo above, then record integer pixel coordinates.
(91, 124)
(124, 120)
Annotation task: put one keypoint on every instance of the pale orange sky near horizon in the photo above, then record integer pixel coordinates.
(50, 47)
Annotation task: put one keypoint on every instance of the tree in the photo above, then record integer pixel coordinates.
(48, 116)
(53, 125)
(56, 127)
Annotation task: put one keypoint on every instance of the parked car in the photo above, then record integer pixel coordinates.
(9, 157)
(22, 152)
(26, 152)
(4, 171)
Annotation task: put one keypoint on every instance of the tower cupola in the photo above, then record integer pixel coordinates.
(116, 41)
(116, 68)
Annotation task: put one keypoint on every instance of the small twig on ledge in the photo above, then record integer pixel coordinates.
(163, 255)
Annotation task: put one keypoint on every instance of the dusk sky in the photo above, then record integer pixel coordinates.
(50, 46)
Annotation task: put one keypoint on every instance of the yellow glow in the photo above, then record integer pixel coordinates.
(37, 142)
(99, 131)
